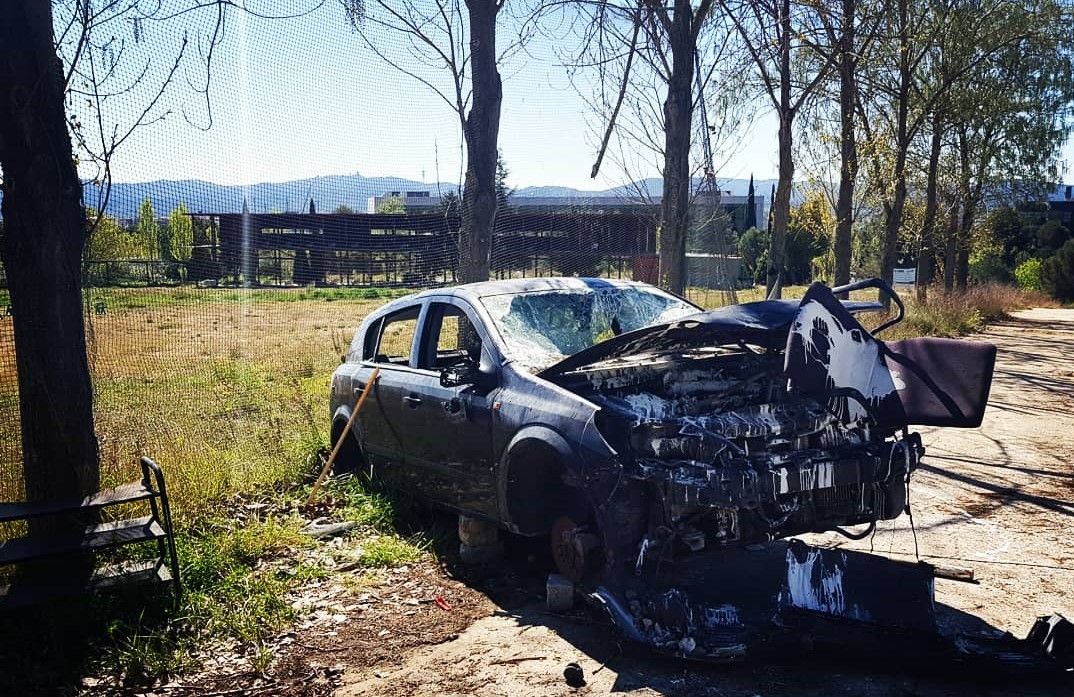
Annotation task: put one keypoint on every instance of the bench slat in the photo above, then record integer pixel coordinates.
(106, 577)
(22, 510)
(109, 534)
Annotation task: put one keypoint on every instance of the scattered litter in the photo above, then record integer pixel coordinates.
(321, 528)
(519, 659)
(442, 604)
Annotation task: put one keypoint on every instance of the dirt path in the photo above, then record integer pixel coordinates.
(997, 499)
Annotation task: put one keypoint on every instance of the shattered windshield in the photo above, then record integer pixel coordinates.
(541, 328)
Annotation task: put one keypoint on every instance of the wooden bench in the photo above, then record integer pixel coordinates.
(155, 527)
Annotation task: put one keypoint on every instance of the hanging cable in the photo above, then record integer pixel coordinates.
(857, 535)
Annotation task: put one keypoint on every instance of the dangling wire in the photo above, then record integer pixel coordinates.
(910, 513)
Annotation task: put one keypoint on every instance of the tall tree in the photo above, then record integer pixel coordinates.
(49, 62)
(926, 49)
(849, 29)
(148, 230)
(451, 49)
(652, 61)
(44, 233)
(751, 207)
(180, 233)
(681, 23)
(779, 36)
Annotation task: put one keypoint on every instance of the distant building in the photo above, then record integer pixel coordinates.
(1061, 205)
(425, 202)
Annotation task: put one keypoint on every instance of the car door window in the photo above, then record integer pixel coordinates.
(453, 338)
(395, 339)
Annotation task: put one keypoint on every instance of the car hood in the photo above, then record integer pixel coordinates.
(764, 323)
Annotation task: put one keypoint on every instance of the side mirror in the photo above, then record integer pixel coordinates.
(465, 374)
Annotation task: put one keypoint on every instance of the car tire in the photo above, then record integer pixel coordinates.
(350, 457)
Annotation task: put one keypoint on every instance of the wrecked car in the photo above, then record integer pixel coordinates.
(668, 452)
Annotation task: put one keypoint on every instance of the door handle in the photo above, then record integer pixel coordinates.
(412, 401)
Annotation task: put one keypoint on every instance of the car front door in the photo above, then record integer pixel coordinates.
(449, 428)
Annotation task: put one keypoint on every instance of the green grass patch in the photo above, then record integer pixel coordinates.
(127, 299)
(237, 576)
(386, 552)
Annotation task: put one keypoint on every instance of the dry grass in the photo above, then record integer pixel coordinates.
(227, 390)
(958, 314)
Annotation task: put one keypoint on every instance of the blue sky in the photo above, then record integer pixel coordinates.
(303, 97)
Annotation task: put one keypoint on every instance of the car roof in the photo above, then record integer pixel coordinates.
(484, 289)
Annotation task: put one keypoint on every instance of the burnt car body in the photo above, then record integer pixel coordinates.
(668, 450)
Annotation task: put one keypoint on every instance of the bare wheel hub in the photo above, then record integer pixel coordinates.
(575, 549)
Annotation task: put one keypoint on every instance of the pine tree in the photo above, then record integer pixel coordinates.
(751, 207)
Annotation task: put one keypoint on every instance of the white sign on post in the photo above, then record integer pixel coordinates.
(905, 275)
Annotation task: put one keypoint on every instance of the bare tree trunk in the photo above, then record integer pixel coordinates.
(678, 117)
(902, 145)
(781, 206)
(928, 227)
(894, 219)
(848, 146)
(950, 250)
(479, 199)
(45, 229)
(962, 257)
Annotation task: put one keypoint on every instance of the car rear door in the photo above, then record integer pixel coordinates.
(389, 347)
(449, 429)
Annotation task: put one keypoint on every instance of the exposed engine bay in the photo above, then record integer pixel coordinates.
(736, 457)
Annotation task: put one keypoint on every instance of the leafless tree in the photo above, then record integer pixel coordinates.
(644, 49)
(450, 47)
(780, 36)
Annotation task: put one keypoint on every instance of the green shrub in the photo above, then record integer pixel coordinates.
(1052, 235)
(1027, 274)
(989, 268)
(1057, 273)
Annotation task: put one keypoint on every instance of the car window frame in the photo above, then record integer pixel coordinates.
(488, 348)
(378, 323)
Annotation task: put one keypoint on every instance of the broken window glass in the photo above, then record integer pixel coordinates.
(541, 328)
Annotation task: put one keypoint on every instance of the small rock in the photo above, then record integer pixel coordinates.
(574, 675)
(687, 644)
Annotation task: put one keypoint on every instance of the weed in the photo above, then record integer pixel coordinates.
(386, 552)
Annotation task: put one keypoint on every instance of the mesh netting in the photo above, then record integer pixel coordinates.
(218, 305)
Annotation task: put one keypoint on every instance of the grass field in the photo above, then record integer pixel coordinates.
(226, 389)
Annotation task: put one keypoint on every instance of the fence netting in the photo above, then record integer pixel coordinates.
(289, 177)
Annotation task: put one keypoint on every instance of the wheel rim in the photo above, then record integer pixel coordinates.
(575, 549)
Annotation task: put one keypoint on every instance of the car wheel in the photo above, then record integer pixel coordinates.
(576, 549)
(350, 458)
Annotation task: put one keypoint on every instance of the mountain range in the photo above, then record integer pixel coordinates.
(330, 192)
